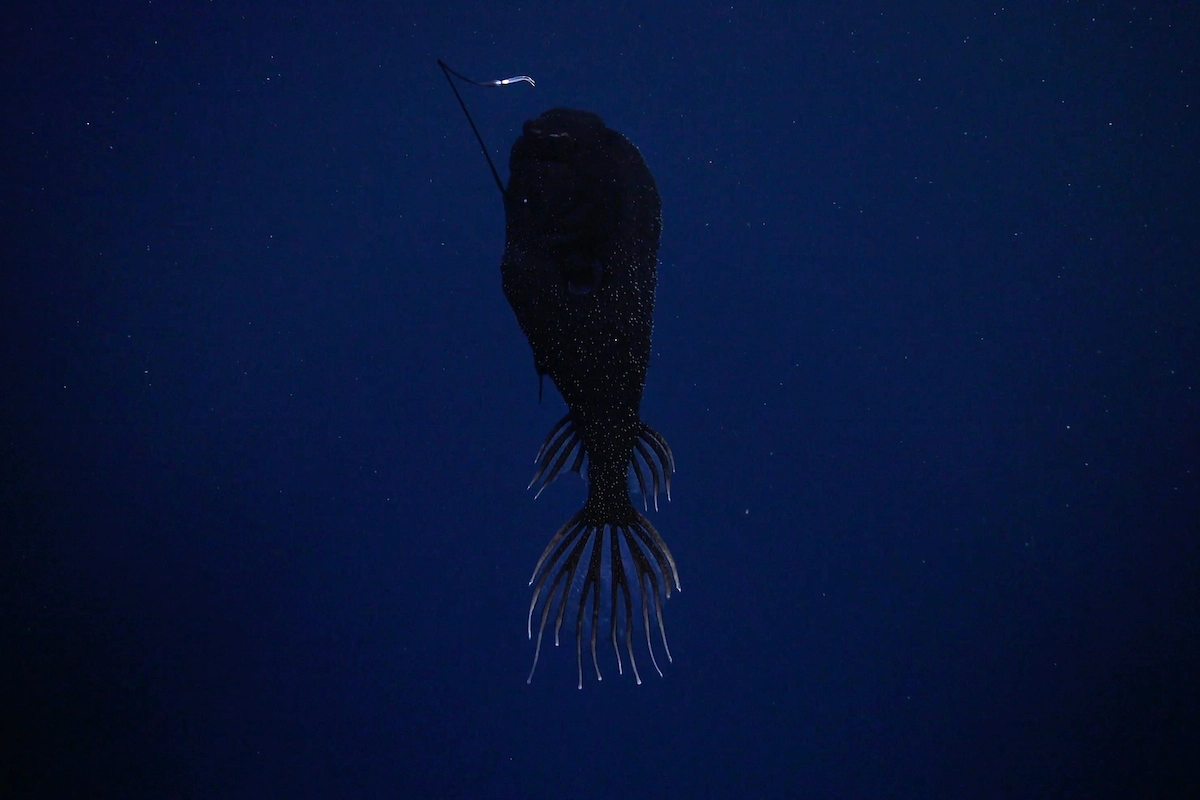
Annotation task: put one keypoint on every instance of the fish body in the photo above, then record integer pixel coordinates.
(582, 227)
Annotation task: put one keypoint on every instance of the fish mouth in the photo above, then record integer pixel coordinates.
(557, 135)
(551, 147)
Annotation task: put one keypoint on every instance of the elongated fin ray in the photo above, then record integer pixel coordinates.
(562, 441)
(638, 559)
(641, 482)
(655, 476)
(651, 452)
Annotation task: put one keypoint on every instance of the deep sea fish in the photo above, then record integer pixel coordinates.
(582, 227)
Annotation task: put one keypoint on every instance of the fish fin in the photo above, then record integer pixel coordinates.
(585, 556)
(650, 450)
(555, 453)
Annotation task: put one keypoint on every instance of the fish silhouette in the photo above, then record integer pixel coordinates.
(582, 226)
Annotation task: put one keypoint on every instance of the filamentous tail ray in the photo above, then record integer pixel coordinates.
(582, 561)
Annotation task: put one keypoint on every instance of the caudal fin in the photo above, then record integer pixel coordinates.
(589, 554)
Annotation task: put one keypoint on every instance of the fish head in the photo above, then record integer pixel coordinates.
(562, 181)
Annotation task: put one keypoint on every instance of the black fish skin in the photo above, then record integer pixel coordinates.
(583, 222)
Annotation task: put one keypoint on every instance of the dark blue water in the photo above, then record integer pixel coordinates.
(927, 351)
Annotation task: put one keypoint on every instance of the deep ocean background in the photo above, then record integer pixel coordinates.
(927, 350)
